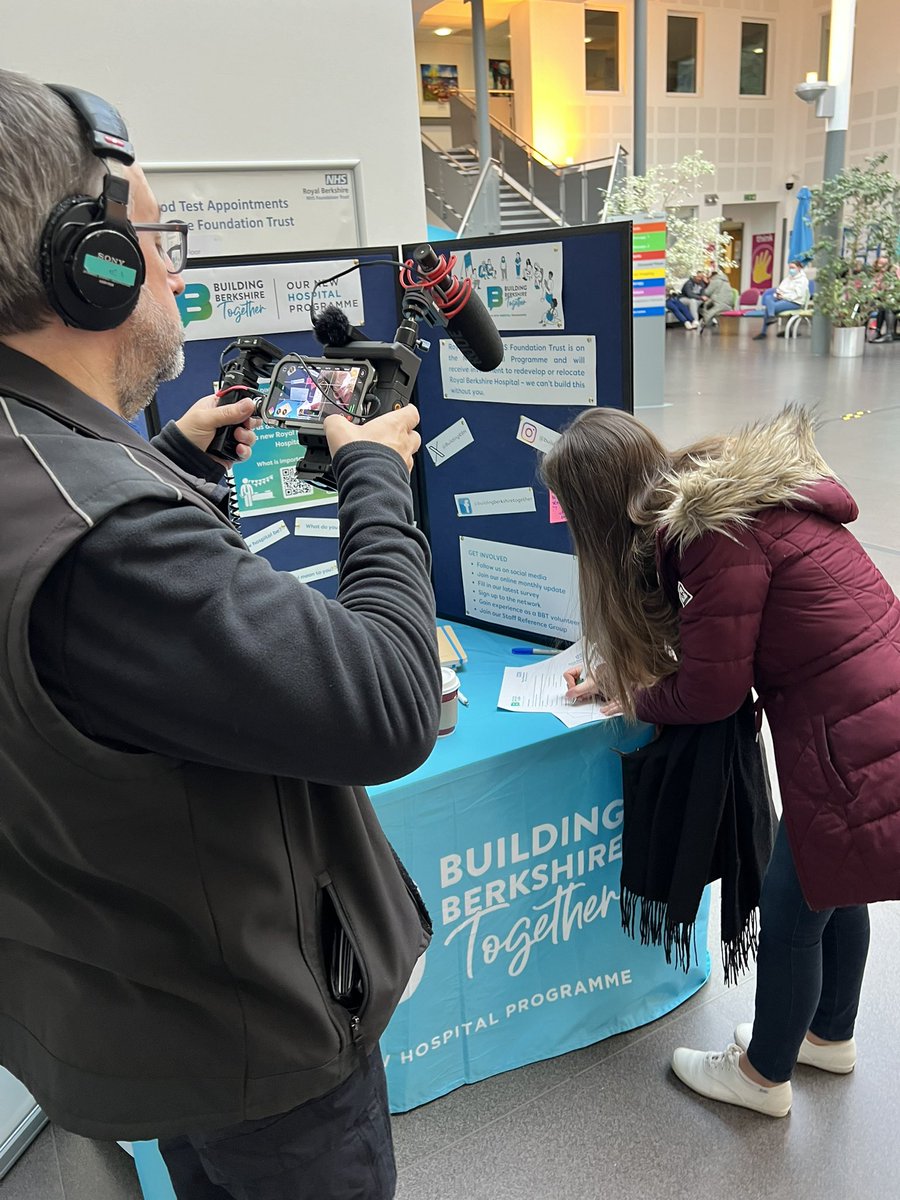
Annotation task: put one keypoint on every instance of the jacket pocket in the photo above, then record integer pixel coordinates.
(415, 895)
(840, 792)
(345, 967)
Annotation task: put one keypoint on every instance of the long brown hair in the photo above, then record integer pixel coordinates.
(608, 472)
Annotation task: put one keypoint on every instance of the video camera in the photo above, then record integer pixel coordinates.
(358, 378)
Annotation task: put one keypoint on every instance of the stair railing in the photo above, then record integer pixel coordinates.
(575, 194)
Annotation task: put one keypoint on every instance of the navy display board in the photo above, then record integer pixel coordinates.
(596, 300)
(381, 307)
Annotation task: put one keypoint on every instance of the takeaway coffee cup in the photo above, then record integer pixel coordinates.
(449, 701)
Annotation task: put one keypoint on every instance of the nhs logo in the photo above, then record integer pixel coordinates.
(336, 179)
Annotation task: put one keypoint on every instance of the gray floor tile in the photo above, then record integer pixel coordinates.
(626, 1128)
(36, 1175)
(94, 1170)
(445, 1121)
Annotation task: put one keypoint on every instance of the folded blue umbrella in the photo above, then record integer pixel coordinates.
(800, 247)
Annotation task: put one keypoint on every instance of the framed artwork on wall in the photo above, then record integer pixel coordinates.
(439, 81)
(501, 74)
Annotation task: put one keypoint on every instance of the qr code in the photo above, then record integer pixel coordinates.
(292, 486)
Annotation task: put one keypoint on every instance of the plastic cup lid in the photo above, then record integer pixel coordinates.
(449, 679)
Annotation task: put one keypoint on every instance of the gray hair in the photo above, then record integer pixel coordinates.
(44, 157)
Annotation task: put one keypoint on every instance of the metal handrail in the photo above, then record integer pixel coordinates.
(508, 132)
(476, 194)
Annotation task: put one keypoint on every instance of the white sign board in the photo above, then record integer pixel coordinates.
(520, 286)
(535, 591)
(535, 370)
(231, 301)
(247, 210)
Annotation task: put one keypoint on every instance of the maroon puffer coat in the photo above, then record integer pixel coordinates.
(789, 602)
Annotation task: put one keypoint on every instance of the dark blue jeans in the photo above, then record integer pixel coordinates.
(680, 311)
(337, 1146)
(809, 969)
(775, 307)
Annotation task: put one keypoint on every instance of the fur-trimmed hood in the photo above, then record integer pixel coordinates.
(769, 464)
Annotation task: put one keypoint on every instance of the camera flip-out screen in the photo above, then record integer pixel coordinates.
(305, 392)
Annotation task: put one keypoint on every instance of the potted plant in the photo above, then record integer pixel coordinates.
(863, 203)
(671, 189)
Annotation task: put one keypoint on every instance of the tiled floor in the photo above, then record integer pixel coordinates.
(611, 1120)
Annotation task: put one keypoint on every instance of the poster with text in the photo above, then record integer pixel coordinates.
(258, 211)
(520, 286)
(232, 302)
(536, 370)
(269, 482)
(520, 587)
(762, 261)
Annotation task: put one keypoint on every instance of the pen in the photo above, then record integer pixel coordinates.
(533, 650)
(461, 698)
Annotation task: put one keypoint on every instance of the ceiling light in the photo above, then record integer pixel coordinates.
(586, 40)
(443, 32)
(757, 50)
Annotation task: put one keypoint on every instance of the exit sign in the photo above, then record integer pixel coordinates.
(749, 195)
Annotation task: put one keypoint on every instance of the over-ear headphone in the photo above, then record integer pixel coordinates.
(91, 261)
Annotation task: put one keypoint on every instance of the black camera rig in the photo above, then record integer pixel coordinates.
(358, 378)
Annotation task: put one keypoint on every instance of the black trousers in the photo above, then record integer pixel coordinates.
(336, 1147)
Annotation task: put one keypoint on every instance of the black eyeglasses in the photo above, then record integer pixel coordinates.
(171, 244)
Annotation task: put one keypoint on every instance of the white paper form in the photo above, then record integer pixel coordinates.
(540, 687)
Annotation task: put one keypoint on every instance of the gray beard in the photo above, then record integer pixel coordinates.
(151, 351)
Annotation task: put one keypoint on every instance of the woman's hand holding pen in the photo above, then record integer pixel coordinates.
(580, 689)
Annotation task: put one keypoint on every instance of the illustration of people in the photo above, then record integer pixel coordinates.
(518, 265)
(468, 269)
(247, 494)
(503, 271)
(465, 506)
(528, 270)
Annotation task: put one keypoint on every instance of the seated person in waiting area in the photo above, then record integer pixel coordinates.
(885, 318)
(791, 294)
(679, 310)
(692, 294)
(718, 297)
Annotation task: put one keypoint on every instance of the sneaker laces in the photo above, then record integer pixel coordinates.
(731, 1055)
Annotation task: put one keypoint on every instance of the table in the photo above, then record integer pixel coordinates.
(512, 830)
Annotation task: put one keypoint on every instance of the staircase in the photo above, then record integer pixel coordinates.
(517, 213)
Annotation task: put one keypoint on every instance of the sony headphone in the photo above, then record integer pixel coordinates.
(91, 261)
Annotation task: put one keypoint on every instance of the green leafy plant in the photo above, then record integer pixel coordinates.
(691, 244)
(856, 217)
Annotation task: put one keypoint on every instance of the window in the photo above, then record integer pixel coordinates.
(754, 58)
(681, 55)
(601, 50)
(824, 42)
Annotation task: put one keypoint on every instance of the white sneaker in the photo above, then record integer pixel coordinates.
(720, 1077)
(837, 1057)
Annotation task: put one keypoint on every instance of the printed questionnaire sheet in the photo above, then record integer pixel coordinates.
(541, 687)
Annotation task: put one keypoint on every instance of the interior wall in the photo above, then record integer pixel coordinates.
(756, 218)
(455, 51)
(202, 81)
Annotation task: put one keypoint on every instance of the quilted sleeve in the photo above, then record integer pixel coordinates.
(722, 584)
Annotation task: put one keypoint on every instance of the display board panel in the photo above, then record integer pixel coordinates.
(562, 302)
(278, 510)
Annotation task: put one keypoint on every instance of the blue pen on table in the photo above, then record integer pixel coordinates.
(533, 650)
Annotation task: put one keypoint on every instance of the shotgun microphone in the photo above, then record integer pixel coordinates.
(468, 322)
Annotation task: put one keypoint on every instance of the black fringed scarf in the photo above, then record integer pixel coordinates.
(697, 808)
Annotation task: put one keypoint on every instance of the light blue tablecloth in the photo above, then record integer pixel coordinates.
(517, 820)
(512, 829)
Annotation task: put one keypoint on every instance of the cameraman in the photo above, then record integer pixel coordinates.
(178, 860)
